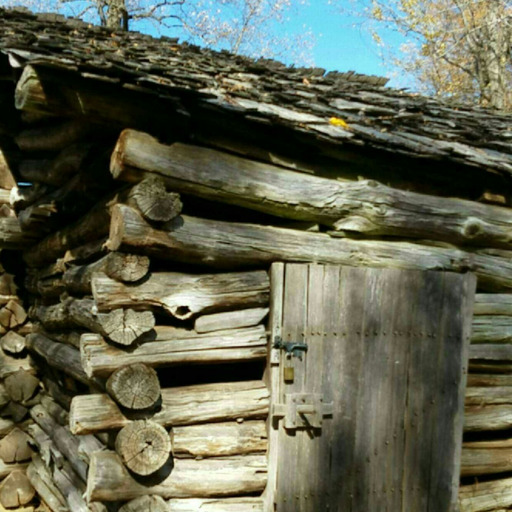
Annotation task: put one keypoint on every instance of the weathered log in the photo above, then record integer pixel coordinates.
(219, 439)
(175, 346)
(487, 417)
(145, 503)
(41, 479)
(15, 447)
(486, 457)
(55, 137)
(23, 196)
(7, 284)
(67, 337)
(7, 469)
(124, 326)
(109, 480)
(57, 412)
(12, 343)
(6, 426)
(488, 380)
(17, 412)
(58, 355)
(486, 496)
(12, 236)
(61, 93)
(230, 320)
(153, 201)
(57, 171)
(236, 245)
(361, 206)
(121, 326)
(135, 386)
(21, 386)
(216, 505)
(4, 396)
(16, 490)
(7, 180)
(65, 442)
(119, 266)
(12, 315)
(493, 304)
(58, 393)
(10, 365)
(492, 329)
(488, 395)
(184, 295)
(186, 405)
(86, 253)
(144, 447)
(491, 352)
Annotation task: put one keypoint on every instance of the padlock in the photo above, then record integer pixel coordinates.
(288, 370)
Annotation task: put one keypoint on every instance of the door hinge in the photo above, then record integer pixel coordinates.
(302, 410)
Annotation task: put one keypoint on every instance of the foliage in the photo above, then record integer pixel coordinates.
(249, 27)
(455, 48)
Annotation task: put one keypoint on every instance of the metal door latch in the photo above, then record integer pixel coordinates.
(302, 410)
(294, 348)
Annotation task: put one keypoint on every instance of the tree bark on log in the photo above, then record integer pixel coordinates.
(109, 480)
(230, 320)
(101, 359)
(185, 295)
(186, 405)
(486, 457)
(135, 386)
(361, 206)
(58, 355)
(236, 245)
(144, 447)
(219, 439)
(486, 496)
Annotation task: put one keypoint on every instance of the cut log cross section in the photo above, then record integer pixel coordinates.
(134, 387)
(144, 447)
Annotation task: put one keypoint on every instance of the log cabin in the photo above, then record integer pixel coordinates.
(231, 285)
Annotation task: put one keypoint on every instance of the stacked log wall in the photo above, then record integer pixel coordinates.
(147, 310)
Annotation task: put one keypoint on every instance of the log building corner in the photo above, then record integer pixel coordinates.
(227, 285)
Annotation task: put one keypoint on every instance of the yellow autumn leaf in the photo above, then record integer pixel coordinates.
(336, 121)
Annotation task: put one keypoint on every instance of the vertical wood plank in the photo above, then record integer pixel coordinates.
(388, 348)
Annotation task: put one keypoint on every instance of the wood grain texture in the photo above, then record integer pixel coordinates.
(186, 405)
(184, 295)
(109, 480)
(175, 347)
(384, 337)
(362, 206)
(237, 245)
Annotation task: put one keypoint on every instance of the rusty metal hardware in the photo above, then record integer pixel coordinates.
(295, 348)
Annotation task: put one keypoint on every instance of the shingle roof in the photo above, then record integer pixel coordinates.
(344, 108)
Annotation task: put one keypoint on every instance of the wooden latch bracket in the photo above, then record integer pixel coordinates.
(302, 410)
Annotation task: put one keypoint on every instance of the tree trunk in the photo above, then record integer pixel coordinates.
(101, 359)
(236, 245)
(185, 295)
(180, 406)
(109, 480)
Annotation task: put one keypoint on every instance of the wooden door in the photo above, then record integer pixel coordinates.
(369, 418)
